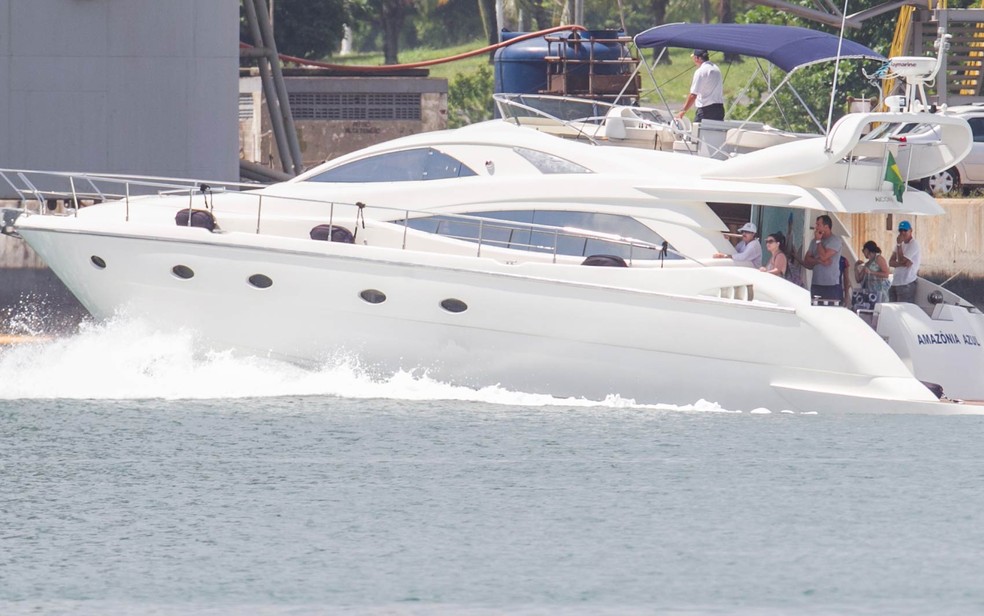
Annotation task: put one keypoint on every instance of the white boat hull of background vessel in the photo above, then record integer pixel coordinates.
(641, 333)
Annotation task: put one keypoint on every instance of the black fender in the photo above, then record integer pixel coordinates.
(10, 216)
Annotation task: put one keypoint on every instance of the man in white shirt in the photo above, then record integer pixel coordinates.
(706, 89)
(905, 260)
(748, 250)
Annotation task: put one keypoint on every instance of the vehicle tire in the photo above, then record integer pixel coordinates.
(942, 183)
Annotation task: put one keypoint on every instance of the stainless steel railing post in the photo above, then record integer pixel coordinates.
(331, 220)
(75, 196)
(406, 222)
(259, 212)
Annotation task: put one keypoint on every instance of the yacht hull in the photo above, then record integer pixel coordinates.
(553, 329)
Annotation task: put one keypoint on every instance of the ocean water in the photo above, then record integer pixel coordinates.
(140, 475)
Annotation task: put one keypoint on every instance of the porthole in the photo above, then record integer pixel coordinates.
(183, 272)
(98, 262)
(373, 296)
(454, 305)
(260, 281)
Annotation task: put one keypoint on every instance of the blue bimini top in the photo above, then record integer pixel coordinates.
(787, 47)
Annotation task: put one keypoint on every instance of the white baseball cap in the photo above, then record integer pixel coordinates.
(749, 227)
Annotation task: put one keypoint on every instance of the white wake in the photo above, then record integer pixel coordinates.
(127, 359)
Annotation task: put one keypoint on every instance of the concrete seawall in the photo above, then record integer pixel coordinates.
(952, 244)
(16, 254)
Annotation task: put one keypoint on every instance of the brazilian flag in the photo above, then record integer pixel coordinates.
(893, 175)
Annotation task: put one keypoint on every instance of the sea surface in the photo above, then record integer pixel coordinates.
(141, 475)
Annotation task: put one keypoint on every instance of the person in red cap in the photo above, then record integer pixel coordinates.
(706, 90)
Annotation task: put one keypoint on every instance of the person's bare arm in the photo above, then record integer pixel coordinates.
(898, 258)
(691, 98)
(810, 259)
(824, 254)
(882, 268)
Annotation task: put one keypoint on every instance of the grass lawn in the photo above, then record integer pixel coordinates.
(673, 79)
(446, 70)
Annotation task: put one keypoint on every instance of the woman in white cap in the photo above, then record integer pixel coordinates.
(748, 250)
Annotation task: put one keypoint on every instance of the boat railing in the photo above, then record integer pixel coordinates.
(591, 120)
(517, 107)
(483, 231)
(63, 194)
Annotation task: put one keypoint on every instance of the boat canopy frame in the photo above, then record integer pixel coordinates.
(789, 48)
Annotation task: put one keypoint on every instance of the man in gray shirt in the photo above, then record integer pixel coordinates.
(823, 257)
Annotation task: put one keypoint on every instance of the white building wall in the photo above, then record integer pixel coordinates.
(136, 86)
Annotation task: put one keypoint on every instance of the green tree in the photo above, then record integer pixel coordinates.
(303, 28)
(470, 97)
(445, 23)
(814, 84)
(486, 9)
(387, 18)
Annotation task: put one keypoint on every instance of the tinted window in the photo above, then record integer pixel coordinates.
(977, 126)
(405, 166)
(569, 234)
(548, 163)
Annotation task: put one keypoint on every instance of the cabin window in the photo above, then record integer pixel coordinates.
(548, 163)
(373, 296)
(183, 272)
(404, 166)
(454, 305)
(260, 281)
(573, 235)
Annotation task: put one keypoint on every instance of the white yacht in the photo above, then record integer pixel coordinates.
(469, 253)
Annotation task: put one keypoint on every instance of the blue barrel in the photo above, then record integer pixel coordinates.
(522, 68)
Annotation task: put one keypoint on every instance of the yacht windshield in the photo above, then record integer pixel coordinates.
(403, 166)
